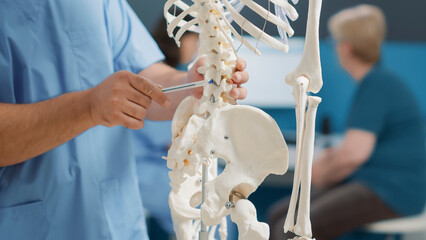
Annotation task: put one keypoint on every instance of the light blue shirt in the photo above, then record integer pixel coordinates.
(151, 143)
(86, 188)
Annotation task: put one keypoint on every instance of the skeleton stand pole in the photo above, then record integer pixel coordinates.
(203, 232)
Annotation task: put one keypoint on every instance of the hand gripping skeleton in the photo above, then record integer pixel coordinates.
(247, 139)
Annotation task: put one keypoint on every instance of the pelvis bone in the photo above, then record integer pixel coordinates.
(253, 147)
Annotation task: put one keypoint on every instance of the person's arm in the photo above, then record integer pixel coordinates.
(167, 76)
(334, 165)
(28, 130)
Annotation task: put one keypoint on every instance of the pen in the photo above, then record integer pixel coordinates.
(183, 87)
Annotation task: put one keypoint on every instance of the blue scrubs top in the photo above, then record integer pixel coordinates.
(150, 145)
(396, 170)
(86, 188)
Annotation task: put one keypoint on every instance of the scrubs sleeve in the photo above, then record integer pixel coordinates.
(369, 109)
(133, 47)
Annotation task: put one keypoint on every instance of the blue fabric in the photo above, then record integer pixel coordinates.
(151, 143)
(86, 188)
(396, 170)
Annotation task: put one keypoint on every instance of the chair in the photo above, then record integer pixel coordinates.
(406, 225)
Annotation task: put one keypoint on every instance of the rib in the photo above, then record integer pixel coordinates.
(236, 34)
(184, 6)
(254, 31)
(268, 16)
(167, 6)
(183, 29)
(293, 15)
(173, 24)
(170, 17)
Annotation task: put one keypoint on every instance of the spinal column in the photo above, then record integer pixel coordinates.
(217, 46)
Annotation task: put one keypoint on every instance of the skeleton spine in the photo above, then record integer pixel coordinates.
(217, 46)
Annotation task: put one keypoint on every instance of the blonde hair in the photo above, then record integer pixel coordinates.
(363, 26)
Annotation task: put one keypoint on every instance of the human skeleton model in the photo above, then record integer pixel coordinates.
(248, 139)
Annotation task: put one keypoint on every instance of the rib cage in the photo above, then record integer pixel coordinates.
(283, 12)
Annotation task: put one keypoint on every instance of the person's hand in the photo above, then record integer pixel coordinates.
(239, 77)
(123, 99)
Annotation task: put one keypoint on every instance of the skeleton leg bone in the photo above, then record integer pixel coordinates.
(308, 68)
(244, 215)
(303, 225)
(299, 94)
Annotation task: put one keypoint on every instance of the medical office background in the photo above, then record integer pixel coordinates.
(404, 51)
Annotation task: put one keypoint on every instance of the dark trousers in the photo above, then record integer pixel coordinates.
(334, 211)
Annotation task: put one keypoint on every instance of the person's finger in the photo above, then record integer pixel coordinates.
(240, 77)
(200, 62)
(134, 110)
(150, 89)
(139, 98)
(131, 123)
(241, 64)
(238, 93)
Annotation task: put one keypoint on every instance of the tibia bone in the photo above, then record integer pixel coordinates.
(299, 94)
(303, 225)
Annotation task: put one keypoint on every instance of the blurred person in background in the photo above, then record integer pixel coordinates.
(379, 171)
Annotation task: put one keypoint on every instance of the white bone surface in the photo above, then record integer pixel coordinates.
(174, 23)
(302, 238)
(310, 65)
(251, 29)
(300, 96)
(290, 9)
(247, 138)
(252, 150)
(265, 14)
(244, 215)
(303, 225)
(307, 72)
(181, 211)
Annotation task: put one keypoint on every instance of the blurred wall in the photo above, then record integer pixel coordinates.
(149, 11)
